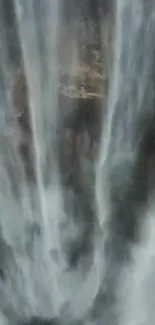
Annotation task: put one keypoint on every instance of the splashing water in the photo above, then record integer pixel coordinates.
(40, 219)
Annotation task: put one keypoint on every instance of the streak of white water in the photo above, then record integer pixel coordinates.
(101, 197)
(42, 90)
(38, 282)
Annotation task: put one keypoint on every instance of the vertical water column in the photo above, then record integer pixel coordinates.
(126, 146)
(39, 29)
(122, 169)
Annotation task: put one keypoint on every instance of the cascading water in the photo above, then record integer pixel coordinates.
(123, 188)
(36, 230)
(41, 220)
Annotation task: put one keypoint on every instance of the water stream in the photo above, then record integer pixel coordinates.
(43, 223)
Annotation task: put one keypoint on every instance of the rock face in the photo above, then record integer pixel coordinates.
(20, 94)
